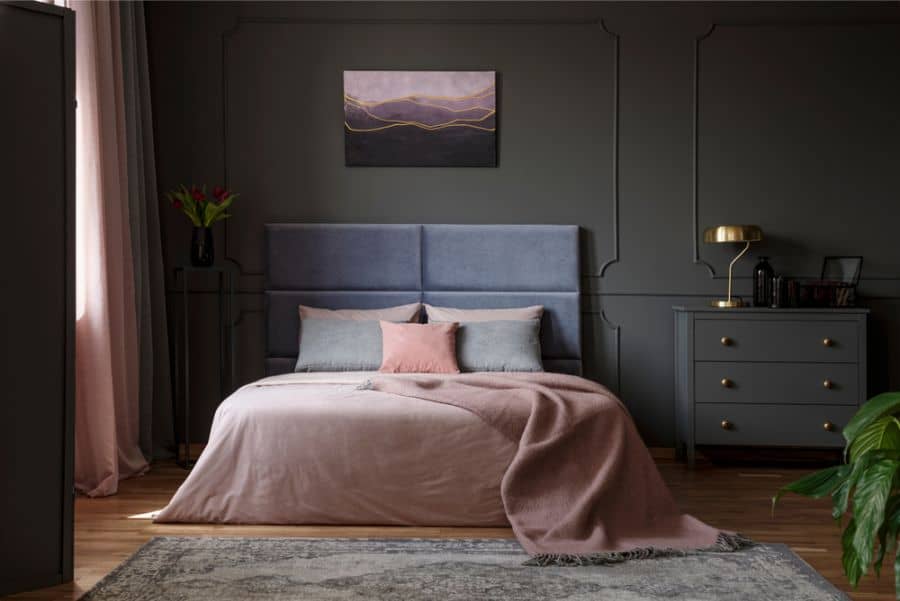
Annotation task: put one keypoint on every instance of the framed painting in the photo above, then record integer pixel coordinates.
(420, 118)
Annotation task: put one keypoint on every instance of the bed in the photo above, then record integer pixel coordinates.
(553, 455)
(355, 457)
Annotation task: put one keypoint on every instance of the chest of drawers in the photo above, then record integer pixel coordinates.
(767, 377)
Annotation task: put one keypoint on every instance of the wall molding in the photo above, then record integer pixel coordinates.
(695, 193)
(695, 156)
(617, 333)
(240, 22)
(615, 155)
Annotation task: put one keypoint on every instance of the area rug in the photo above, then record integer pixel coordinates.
(222, 569)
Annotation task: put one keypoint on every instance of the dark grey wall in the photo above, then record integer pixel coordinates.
(796, 129)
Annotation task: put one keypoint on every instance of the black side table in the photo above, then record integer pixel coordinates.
(226, 273)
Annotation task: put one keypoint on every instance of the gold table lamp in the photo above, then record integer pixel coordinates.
(732, 233)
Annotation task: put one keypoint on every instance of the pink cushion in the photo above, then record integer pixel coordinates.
(408, 312)
(467, 315)
(418, 348)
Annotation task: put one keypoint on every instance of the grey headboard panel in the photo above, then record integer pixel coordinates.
(469, 266)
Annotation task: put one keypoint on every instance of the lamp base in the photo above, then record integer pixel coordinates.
(727, 304)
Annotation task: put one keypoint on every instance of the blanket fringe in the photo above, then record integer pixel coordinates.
(724, 543)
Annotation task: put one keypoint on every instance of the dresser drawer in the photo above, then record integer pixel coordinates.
(777, 383)
(776, 340)
(780, 425)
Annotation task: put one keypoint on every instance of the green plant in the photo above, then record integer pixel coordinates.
(870, 475)
(201, 210)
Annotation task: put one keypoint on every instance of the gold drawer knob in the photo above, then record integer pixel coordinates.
(726, 425)
(828, 384)
(827, 342)
(726, 383)
(829, 427)
(726, 341)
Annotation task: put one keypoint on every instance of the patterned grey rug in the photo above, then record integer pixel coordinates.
(222, 569)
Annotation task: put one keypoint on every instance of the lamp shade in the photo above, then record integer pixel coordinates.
(732, 233)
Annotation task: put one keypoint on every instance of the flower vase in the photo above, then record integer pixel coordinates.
(202, 247)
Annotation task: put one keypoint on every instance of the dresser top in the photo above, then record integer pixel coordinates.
(770, 311)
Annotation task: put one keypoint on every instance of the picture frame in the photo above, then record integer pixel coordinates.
(424, 118)
(843, 269)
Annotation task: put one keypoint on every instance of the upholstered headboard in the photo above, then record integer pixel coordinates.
(468, 266)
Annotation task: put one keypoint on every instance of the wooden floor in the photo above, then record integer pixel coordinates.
(732, 498)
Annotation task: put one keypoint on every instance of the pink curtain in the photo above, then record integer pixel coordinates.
(107, 428)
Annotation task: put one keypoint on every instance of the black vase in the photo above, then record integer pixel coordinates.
(762, 283)
(202, 247)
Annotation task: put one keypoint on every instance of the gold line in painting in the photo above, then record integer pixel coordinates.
(426, 125)
(413, 124)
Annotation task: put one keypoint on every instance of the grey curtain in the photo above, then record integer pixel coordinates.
(155, 389)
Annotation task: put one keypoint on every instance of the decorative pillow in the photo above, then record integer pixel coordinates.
(419, 348)
(400, 313)
(442, 314)
(339, 345)
(499, 346)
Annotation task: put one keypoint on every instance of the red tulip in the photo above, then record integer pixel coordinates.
(219, 192)
(198, 195)
(177, 204)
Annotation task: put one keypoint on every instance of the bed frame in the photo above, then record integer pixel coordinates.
(469, 266)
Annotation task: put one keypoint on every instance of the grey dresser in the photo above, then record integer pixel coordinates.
(767, 377)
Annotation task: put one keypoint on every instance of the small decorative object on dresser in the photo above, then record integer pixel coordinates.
(763, 274)
(732, 233)
(842, 269)
(767, 377)
(836, 287)
(203, 212)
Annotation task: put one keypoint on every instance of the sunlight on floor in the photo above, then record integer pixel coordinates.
(145, 516)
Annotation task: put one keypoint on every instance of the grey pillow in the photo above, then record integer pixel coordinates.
(339, 345)
(499, 345)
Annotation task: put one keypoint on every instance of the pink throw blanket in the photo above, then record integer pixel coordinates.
(582, 487)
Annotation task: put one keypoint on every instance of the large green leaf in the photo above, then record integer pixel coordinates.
(817, 484)
(892, 519)
(840, 496)
(853, 567)
(878, 406)
(882, 550)
(887, 534)
(872, 491)
(882, 433)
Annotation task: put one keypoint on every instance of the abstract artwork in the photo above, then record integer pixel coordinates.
(420, 118)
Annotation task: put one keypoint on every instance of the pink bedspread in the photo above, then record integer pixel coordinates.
(557, 456)
(313, 449)
(582, 486)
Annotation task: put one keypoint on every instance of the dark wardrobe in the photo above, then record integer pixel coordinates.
(37, 250)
